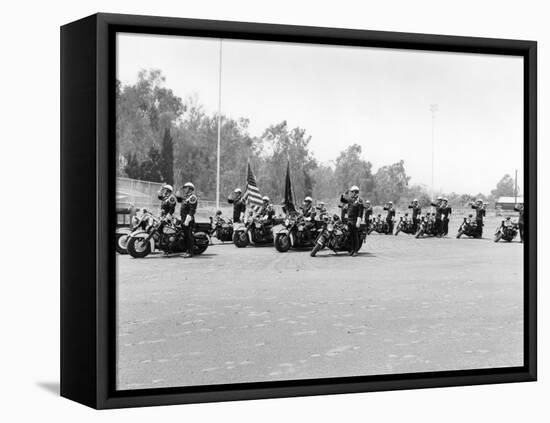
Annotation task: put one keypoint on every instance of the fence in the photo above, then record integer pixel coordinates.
(143, 194)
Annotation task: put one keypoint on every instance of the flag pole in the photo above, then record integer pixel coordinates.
(219, 129)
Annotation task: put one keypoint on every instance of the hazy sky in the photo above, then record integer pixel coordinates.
(378, 98)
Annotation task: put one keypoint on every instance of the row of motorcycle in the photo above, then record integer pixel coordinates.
(149, 233)
(427, 226)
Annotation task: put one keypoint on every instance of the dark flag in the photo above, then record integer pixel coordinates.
(289, 198)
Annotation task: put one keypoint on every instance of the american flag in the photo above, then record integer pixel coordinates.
(252, 194)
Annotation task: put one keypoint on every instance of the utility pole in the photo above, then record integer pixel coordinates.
(219, 130)
(433, 108)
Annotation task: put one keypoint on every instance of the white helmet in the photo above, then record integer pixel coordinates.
(237, 191)
(265, 198)
(168, 187)
(354, 188)
(308, 199)
(415, 200)
(189, 185)
(440, 198)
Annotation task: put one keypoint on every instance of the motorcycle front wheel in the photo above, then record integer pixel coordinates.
(315, 250)
(122, 243)
(498, 237)
(282, 243)
(418, 234)
(459, 234)
(240, 239)
(138, 248)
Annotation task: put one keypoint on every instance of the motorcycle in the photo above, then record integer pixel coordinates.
(507, 231)
(468, 228)
(380, 226)
(221, 228)
(335, 235)
(166, 235)
(426, 226)
(254, 230)
(123, 234)
(296, 234)
(405, 225)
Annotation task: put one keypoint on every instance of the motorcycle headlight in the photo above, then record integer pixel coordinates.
(330, 228)
(287, 222)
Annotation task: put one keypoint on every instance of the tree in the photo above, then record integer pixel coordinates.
(143, 111)
(418, 192)
(504, 188)
(390, 183)
(151, 167)
(132, 168)
(351, 169)
(280, 145)
(167, 158)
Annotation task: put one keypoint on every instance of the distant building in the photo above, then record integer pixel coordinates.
(508, 203)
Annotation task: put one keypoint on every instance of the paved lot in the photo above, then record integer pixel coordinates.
(242, 315)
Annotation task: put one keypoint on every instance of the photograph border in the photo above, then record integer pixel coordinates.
(88, 274)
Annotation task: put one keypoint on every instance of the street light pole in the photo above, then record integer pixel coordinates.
(219, 130)
(433, 109)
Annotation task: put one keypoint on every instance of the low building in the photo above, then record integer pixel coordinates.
(508, 203)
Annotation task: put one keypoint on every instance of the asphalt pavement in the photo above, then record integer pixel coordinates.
(254, 314)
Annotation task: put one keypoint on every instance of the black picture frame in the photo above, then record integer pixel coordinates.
(88, 213)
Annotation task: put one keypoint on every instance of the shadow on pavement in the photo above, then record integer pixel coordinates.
(51, 387)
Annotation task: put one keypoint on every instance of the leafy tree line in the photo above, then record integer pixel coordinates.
(161, 138)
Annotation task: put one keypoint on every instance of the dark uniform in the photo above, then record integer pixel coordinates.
(521, 220)
(188, 208)
(355, 209)
(268, 211)
(239, 206)
(446, 212)
(389, 217)
(322, 212)
(307, 211)
(343, 211)
(168, 205)
(480, 214)
(416, 212)
(438, 218)
(368, 214)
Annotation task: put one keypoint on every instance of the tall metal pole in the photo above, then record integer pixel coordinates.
(433, 109)
(219, 130)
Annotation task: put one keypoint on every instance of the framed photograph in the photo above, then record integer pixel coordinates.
(257, 211)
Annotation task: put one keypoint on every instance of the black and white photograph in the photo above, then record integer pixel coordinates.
(299, 211)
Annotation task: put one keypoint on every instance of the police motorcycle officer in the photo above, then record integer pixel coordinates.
(266, 213)
(445, 213)
(167, 201)
(390, 216)
(521, 219)
(308, 212)
(479, 207)
(416, 212)
(322, 211)
(438, 216)
(239, 205)
(355, 210)
(189, 202)
(369, 210)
